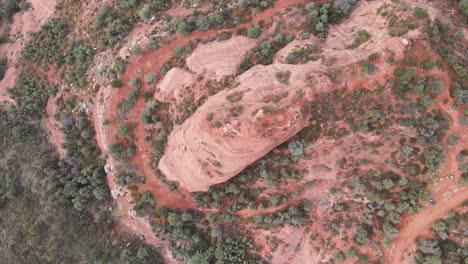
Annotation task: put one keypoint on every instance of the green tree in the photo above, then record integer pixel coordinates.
(253, 32)
(145, 12)
(463, 6)
(123, 131)
(150, 77)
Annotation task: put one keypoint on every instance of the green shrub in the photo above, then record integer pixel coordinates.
(116, 83)
(123, 131)
(150, 77)
(463, 6)
(183, 29)
(145, 12)
(362, 37)
(216, 19)
(253, 32)
(182, 51)
(437, 86)
(134, 83)
(136, 49)
(3, 67)
(202, 22)
(9, 7)
(302, 54)
(420, 12)
(404, 74)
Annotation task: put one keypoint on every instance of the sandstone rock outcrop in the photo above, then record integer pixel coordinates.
(235, 127)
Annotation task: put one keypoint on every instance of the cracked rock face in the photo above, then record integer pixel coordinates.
(237, 126)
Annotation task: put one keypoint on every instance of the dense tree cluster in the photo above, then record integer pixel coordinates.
(192, 243)
(447, 244)
(291, 215)
(112, 25)
(35, 228)
(263, 53)
(31, 93)
(50, 46)
(320, 16)
(9, 7)
(80, 175)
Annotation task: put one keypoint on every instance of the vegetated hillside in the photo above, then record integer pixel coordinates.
(35, 227)
(337, 132)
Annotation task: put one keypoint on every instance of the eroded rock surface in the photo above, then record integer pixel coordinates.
(220, 58)
(236, 127)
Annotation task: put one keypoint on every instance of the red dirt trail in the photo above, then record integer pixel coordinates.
(106, 109)
(447, 194)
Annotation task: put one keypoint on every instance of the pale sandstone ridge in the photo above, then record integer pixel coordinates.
(175, 80)
(200, 153)
(220, 57)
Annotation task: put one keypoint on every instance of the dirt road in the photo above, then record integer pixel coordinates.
(446, 192)
(106, 102)
(422, 222)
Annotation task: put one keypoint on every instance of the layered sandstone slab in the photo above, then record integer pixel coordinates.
(220, 58)
(175, 80)
(236, 127)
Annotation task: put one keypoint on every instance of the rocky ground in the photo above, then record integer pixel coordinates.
(237, 118)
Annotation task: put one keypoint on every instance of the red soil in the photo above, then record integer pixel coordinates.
(105, 109)
(447, 193)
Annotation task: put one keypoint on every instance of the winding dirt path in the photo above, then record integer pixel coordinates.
(421, 223)
(447, 193)
(105, 109)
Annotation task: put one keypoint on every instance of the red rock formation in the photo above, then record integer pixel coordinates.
(236, 127)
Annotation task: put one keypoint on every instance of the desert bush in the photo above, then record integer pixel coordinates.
(452, 139)
(155, 43)
(51, 46)
(150, 77)
(253, 32)
(404, 74)
(362, 37)
(296, 148)
(437, 86)
(283, 76)
(124, 131)
(463, 6)
(182, 51)
(216, 19)
(302, 54)
(3, 67)
(134, 83)
(145, 12)
(320, 16)
(136, 49)
(116, 83)
(420, 12)
(147, 117)
(183, 29)
(9, 7)
(202, 23)
(263, 53)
